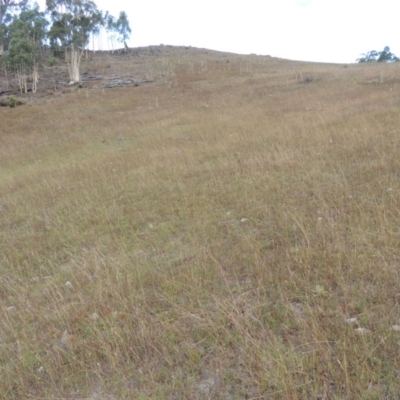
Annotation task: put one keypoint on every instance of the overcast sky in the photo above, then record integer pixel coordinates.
(309, 30)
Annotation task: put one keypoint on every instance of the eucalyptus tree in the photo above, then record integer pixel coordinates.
(387, 56)
(109, 26)
(27, 35)
(8, 8)
(117, 29)
(122, 28)
(73, 21)
(378, 56)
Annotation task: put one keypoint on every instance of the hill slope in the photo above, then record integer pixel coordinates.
(227, 230)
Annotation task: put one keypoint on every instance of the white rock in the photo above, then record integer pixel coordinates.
(205, 386)
(362, 331)
(64, 339)
(396, 327)
(94, 316)
(69, 285)
(351, 321)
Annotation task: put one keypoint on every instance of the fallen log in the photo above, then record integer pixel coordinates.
(91, 77)
(128, 82)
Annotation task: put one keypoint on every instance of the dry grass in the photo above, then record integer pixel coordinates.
(206, 237)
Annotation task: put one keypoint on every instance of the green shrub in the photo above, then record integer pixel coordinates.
(53, 61)
(12, 102)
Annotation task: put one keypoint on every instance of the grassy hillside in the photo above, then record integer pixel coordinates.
(228, 231)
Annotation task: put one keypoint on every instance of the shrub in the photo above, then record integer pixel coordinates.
(12, 101)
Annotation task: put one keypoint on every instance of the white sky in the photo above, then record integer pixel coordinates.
(309, 30)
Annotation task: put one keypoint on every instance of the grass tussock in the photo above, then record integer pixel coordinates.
(229, 233)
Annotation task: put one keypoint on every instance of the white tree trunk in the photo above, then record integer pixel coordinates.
(22, 80)
(35, 77)
(74, 60)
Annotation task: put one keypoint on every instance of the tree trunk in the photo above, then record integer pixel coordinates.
(22, 79)
(74, 60)
(35, 77)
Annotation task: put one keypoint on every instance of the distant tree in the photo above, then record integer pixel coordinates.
(27, 34)
(371, 56)
(123, 29)
(8, 8)
(109, 25)
(378, 56)
(73, 21)
(387, 56)
(118, 29)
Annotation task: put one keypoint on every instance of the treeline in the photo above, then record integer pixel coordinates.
(66, 27)
(378, 56)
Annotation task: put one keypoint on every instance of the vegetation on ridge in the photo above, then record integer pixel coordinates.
(66, 27)
(378, 56)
